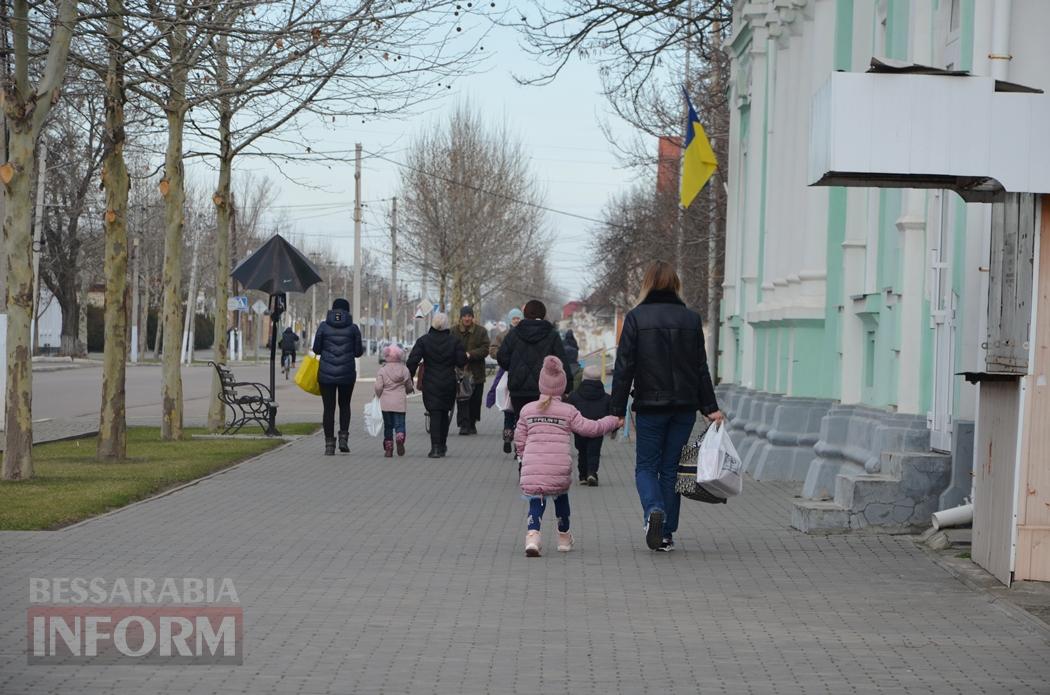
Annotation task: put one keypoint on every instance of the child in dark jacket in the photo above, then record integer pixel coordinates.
(593, 403)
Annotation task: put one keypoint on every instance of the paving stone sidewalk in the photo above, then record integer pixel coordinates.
(56, 430)
(360, 574)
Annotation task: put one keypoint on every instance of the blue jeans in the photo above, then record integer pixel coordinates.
(392, 422)
(538, 505)
(659, 441)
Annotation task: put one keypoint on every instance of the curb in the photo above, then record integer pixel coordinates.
(1004, 605)
(63, 438)
(172, 491)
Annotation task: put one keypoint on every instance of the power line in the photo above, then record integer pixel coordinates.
(496, 194)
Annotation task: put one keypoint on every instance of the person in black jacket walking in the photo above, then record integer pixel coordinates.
(661, 354)
(592, 401)
(572, 356)
(337, 344)
(521, 355)
(441, 353)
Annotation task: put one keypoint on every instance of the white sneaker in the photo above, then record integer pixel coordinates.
(565, 541)
(532, 544)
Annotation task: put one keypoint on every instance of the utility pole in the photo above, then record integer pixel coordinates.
(393, 272)
(357, 231)
(38, 230)
(135, 301)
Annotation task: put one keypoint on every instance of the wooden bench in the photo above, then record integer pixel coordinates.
(247, 401)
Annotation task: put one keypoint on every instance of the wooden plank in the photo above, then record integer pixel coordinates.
(1020, 309)
(994, 470)
(995, 276)
(1033, 533)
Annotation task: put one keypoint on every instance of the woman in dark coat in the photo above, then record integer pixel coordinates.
(521, 355)
(572, 356)
(661, 356)
(337, 344)
(441, 353)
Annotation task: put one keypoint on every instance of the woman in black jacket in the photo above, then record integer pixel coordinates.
(521, 355)
(441, 353)
(661, 354)
(337, 344)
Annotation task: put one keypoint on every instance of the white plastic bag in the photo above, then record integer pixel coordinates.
(502, 394)
(718, 466)
(373, 417)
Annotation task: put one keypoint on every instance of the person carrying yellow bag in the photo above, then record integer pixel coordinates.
(306, 375)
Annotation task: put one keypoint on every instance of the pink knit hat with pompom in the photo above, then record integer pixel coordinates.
(552, 377)
(392, 353)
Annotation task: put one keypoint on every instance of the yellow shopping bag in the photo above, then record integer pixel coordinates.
(306, 375)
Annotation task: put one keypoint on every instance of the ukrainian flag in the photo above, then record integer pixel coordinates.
(699, 162)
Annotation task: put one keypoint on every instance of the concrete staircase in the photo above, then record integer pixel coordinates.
(898, 499)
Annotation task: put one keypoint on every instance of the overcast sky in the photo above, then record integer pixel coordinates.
(559, 123)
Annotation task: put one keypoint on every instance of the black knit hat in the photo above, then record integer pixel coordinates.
(341, 304)
(466, 311)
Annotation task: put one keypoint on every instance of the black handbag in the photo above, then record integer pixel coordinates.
(685, 484)
(464, 384)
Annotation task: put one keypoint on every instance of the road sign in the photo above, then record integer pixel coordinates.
(237, 303)
(259, 307)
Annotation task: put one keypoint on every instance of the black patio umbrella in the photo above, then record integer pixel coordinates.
(276, 268)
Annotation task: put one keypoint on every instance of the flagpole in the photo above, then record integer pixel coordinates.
(680, 233)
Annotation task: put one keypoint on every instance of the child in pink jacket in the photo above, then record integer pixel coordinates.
(542, 440)
(393, 384)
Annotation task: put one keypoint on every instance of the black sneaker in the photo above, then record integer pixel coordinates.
(506, 447)
(654, 530)
(666, 546)
(583, 480)
(592, 480)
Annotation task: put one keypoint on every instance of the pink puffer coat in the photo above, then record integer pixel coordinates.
(543, 440)
(393, 384)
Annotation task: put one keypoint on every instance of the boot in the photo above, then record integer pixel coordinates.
(508, 437)
(344, 445)
(400, 437)
(329, 446)
(442, 450)
(533, 544)
(388, 448)
(433, 453)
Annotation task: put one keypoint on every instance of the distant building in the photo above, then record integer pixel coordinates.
(571, 308)
(668, 158)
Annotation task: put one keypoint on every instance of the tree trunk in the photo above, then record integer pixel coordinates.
(70, 345)
(173, 190)
(223, 210)
(18, 240)
(26, 108)
(112, 435)
(457, 294)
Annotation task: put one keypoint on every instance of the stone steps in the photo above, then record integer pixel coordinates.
(898, 499)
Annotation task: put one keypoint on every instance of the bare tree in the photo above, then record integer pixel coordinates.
(74, 146)
(472, 207)
(647, 52)
(26, 108)
(322, 58)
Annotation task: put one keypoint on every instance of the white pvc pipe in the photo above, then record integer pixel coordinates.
(999, 58)
(956, 516)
